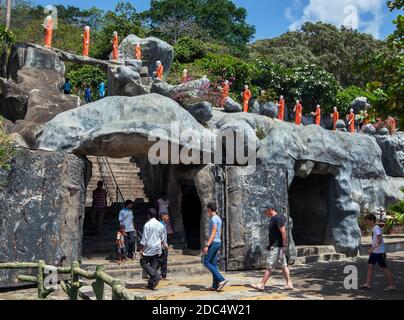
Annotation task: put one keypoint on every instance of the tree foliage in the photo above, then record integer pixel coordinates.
(7, 150)
(340, 51)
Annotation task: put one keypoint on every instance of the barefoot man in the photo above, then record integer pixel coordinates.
(278, 243)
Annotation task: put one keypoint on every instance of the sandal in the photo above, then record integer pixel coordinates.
(286, 288)
(364, 287)
(258, 287)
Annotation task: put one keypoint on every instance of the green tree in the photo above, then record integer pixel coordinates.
(85, 75)
(215, 19)
(340, 51)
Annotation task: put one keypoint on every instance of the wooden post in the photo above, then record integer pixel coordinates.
(40, 277)
(116, 285)
(75, 283)
(98, 285)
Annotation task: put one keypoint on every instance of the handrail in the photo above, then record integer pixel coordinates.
(108, 175)
(72, 287)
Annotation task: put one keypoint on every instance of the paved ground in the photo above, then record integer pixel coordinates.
(321, 281)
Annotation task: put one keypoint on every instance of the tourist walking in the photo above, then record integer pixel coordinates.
(163, 260)
(377, 255)
(99, 207)
(212, 248)
(151, 248)
(278, 244)
(126, 220)
(163, 205)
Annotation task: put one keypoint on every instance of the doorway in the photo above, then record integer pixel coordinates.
(309, 204)
(191, 213)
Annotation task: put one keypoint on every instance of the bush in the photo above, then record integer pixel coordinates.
(81, 75)
(7, 150)
(188, 49)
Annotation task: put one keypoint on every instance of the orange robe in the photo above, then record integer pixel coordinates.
(335, 118)
(246, 99)
(48, 32)
(225, 94)
(318, 117)
(115, 45)
(281, 111)
(351, 118)
(138, 53)
(298, 116)
(86, 43)
(160, 72)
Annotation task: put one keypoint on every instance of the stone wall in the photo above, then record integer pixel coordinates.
(41, 209)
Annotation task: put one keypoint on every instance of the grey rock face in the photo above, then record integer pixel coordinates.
(232, 106)
(269, 109)
(254, 106)
(338, 156)
(40, 210)
(383, 132)
(393, 153)
(119, 126)
(153, 50)
(369, 130)
(201, 111)
(24, 55)
(186, 94)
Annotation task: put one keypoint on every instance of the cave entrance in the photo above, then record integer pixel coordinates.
(191, 215)
(309, 204)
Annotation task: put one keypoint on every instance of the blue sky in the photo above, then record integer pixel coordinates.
(274, 17)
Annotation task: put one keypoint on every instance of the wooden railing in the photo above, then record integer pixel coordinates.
(71, 287)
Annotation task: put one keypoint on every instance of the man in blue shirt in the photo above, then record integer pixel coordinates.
(101, 89)
(87, 94)
(126, 220)
(67, 87)
(212, 248)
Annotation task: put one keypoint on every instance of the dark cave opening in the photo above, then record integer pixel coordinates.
(191, 213)
(309, 204)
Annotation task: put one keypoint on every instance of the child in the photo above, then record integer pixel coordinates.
(377, 254)
(120, 245)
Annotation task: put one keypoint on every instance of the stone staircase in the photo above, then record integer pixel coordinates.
(313, 254)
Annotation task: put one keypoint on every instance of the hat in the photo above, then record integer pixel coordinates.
(268, 205)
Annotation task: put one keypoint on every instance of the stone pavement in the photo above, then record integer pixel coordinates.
(319, 281)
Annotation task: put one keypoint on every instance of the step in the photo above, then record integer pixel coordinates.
(173, 260)
(326, 257)
(303, 251)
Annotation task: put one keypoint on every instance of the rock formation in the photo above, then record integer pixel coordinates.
(41, 209)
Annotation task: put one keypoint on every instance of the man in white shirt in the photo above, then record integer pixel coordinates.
(126, 220)
(163, 205)
(151, 248)
(377, 255)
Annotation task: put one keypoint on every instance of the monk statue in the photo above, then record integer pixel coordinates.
(298, 110)
(115, 44)
(48, 28)
(159, 70)
(86, 41)
(246, 97)
(351, 121)
(281, 108)
(317, 115)
(184, 78)
(138, 52)
(224, 93)
(335, 118)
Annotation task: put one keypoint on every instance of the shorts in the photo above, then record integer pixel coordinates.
(379, 258)
(276, 259)
(120, 252)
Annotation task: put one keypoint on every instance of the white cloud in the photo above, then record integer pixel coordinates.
(340, 12)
